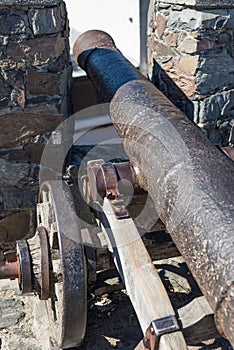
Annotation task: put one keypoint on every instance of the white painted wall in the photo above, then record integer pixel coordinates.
(119, 18)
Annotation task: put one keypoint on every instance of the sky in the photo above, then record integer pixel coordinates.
(118, 18)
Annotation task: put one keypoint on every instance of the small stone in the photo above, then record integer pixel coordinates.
(22, 198)
(42, 83)
(224, 38)
(187, 44)
(18, 95)
(168, 65)
(4, 87)
(163, 50)
(204, 44)
(186, 19)
(171, 38)
(188, 64)
(177, 8)
(33, 52)
(13, 173)
(163, 6)
(12, 24)
(45, 21)
(34, 152)
(161, 25)
(17, 128)
(11, 312)
(166, 59)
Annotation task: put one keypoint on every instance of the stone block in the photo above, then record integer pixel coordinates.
(33, 52)
(186, 19)
(192, 19)
(205, 44)
(14, 226)
(12, 23)
(161, 24)
(17, 128)
(19, 198)
(4, 87)
(18, 96)
(163, 52)
(13, 173)
(224, 38)
(11, 312)
(217, 19)
(216, 107)
(171, 38)
(34, 152)
(45, 21)
(210, 77)
(188, 64)
(29, 2)
(187, 44)
(15, 155)
(42, 83)
(201, 3)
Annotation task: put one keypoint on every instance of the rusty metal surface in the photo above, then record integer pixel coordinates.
(115, 181)
(191, 184)
(25, 277)
(90, 40)
(190, 181)
(9, 270)
(95, 51)
(45, 263)
(67, 306)
(157, 328)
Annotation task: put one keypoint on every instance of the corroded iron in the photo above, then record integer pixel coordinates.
(115, 181)
(67, 306)
(9, 269)
(95, 51)
(189, 180)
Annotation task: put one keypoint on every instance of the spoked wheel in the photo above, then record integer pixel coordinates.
(66, 306)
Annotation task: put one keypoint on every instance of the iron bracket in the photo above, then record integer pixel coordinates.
(157, 328)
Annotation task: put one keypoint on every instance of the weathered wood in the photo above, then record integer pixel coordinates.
(197, 320)
(96, 249)
(159, 246)
(144, 286)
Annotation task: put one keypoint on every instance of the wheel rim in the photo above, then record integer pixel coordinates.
(67, 306)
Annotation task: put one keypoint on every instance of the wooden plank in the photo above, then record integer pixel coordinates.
(198, 321)
(144, 286)
(158, 244)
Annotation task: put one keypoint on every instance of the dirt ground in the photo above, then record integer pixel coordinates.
(112, 322)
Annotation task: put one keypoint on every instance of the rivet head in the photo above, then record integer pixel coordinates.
(152, 330)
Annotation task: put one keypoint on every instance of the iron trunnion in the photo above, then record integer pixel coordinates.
(191, 186)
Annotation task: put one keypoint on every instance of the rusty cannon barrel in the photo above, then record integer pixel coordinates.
(190, 180)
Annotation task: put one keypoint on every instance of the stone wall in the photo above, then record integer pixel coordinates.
(191, 59)
(35, 79)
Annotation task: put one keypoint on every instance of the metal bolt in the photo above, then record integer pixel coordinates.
(152, 330)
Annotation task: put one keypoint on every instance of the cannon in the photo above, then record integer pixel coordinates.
(186, 186)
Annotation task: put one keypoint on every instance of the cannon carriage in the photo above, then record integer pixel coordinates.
(107, 205)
